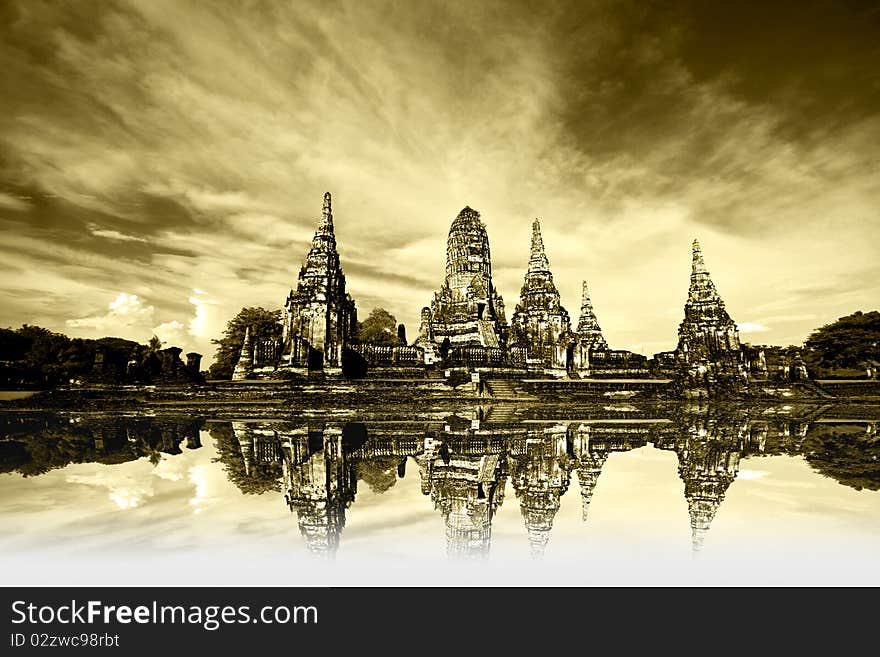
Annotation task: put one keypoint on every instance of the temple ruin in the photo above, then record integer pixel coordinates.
(467, 310)
(540, 328)
(320, 317)
(464, 328)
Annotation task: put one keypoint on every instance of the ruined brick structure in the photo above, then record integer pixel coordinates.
(539, 323)
(708, 340)
(707, 328)
(589, 335)
(467, 310)
(319, 319)
(319, 316)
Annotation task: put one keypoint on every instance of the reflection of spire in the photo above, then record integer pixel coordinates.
(245, 442)
(588, 471)
(320, 486)
(708, 462)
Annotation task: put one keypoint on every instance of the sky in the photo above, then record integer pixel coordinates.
(162, 163)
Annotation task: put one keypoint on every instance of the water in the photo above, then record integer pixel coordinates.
(447, 496)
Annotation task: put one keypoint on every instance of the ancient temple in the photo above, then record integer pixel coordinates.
(540, 325)
(589, 334)
(320, 317)
(707, 330)
(467, 310)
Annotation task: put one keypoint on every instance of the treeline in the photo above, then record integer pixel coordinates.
(35, 357)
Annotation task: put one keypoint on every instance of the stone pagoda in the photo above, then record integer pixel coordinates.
(467, 311)
(707, 330)
(589, 333)
(540, 325)
(320, 317)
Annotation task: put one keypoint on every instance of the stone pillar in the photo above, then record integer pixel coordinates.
(193, 362)
(244, 368)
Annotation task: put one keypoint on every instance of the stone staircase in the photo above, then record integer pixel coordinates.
(501, 412)
(502, 388)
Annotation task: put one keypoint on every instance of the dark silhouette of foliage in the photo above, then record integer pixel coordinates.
(36, 357)
(850, 342)
(263, 323)
(263, 477)
(850, 457)
(380, 474)
(380, 327)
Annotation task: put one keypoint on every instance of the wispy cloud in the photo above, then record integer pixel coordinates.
(170, 145)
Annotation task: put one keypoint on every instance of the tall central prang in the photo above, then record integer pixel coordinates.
(319, 316)
(467, 310)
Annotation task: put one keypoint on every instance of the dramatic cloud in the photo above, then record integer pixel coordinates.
(156, 147)
(125, 311)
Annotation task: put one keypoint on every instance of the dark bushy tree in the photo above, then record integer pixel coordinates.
(263, 324)
(850, 342)
(380, 327)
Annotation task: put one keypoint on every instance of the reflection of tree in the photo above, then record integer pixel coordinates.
(37, 444)
(262, 476)
(380, 474)
(852, 458)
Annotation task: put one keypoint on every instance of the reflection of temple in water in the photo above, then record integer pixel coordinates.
(466, 484)
(708, 462)
(540, 474)
(464, 465)
(320, 484)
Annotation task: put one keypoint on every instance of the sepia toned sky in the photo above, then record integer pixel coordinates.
(162, 163)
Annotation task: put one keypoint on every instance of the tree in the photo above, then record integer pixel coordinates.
(850, 342)
(380, 327)
(263, 323)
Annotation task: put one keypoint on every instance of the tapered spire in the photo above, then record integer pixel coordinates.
(327, 214)
(538, 258)
(588, 325)
(702, 288)
(245, 365)
(698, 265)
